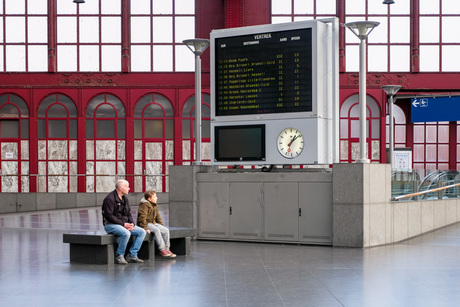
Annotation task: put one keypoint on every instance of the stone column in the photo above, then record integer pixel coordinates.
(183, 194)
(362, 213)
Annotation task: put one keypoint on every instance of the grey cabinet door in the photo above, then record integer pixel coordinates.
(213, 200)
(281, 211)
(246, 210)
(315, 203)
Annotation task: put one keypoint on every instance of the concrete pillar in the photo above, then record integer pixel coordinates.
(183, 194)
(362, 213)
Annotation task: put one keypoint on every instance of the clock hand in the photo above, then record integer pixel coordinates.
(293, 139)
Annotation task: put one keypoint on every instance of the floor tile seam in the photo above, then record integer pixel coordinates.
(270, 277)
(224, 266)
(324, 286)
(274, 286)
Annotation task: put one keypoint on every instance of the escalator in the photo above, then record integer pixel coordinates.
(439, 179)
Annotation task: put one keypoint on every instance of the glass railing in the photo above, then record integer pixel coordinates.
(442, 184)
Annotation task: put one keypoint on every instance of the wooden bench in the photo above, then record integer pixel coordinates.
(99, 247)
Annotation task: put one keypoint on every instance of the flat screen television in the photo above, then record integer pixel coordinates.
(239, 143)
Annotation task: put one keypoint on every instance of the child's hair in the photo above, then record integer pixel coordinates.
(149, 194)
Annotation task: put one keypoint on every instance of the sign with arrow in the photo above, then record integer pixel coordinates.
(435, 109)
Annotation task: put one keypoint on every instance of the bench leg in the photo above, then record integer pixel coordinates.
(147, 250)
(92, 254)
(181, 246)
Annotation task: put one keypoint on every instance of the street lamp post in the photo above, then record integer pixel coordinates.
(197, 46)
(362, 29)
(391, 90)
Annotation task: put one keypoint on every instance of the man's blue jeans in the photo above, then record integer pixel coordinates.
(123, 235)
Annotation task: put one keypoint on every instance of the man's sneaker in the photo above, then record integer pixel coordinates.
(120, 260)
(134, 259)
(171, 254)
(165, 253)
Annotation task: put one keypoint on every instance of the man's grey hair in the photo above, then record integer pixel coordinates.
(119, 183)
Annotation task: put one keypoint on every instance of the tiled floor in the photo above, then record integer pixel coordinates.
(35, 271)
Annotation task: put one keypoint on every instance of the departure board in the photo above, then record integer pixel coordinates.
(264, 73)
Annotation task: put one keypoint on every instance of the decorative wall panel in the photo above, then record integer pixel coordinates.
(89, 150)
(375, 150)
(25, 180)
(138, 179)
(73, 179)
(89, 179)
(153, 151)
(186, 150)
(73, 150)
(138, 150)
(121, 169)
(57, 183)
(57, 150)
(104, 183)
(154, 182)
(42, 179)
(9, 183)
(24, 150)
(169, 150)
(105, 150)
(41, 150)
(205, 151)
(121, 149)
(9, 151)
(167, 164)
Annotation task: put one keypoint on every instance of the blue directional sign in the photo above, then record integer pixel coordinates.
(435, 109)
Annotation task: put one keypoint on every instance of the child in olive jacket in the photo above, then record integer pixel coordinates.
(148, 217)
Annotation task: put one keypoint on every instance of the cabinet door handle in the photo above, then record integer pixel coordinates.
(300, 211)
(230, 210)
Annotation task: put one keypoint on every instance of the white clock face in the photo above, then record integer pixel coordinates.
(290, 143)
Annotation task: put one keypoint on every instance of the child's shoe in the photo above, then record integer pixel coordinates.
(165, 253)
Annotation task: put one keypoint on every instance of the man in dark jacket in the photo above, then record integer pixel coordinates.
(117, 219)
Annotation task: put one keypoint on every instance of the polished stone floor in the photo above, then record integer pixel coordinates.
(35, 271)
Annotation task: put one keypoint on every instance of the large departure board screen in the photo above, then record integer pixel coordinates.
(264, 73)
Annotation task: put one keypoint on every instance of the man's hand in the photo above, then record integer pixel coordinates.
(129, 226)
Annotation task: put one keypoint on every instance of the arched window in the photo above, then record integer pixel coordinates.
(399, 128)
(105, 143)
(349, 130)
(57, 144)
(189, 130)
(14, 143)
(153, 142)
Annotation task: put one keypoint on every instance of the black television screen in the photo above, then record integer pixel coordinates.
(239, 143)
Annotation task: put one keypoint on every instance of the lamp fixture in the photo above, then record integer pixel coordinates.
(390, 90)
(388, 2)
(197, 45)
(362, 28)
(78, 1)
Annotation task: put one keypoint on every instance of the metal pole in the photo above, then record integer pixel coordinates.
(197, 46)
(198, 109)
(392, 141)
(362, 102)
